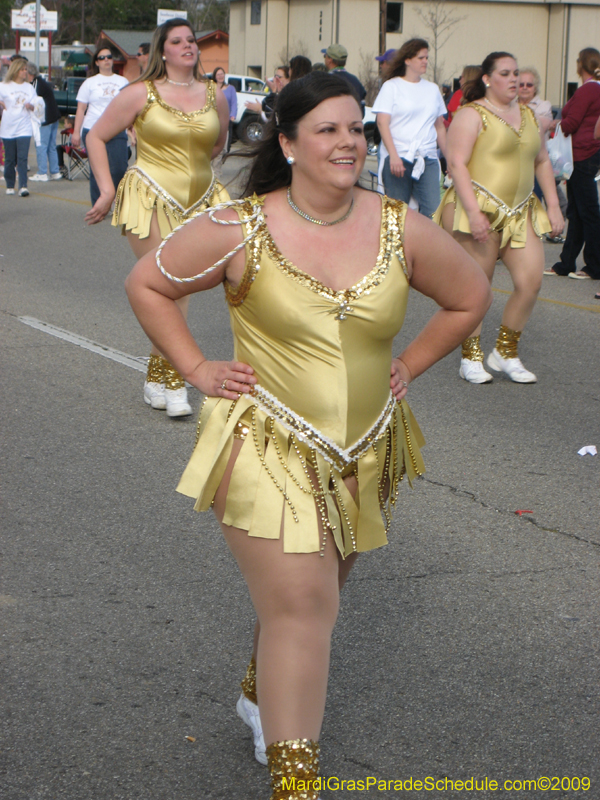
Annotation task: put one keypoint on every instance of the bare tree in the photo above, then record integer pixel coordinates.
(440, 18)
(368, 75)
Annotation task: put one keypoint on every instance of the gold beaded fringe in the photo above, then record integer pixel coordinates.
(507, 342)
(471, 348)
(155, 370)
(249, 682)
(294, 768)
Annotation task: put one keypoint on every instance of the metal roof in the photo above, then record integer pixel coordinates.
(129, 41)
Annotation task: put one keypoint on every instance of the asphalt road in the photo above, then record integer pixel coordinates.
(466, 648)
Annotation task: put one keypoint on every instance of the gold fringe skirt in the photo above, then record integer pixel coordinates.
(138, 196)
(510, 222)
(286, 470)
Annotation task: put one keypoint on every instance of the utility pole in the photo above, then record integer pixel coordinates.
(382, 25)
(82, 21)
(37, 32)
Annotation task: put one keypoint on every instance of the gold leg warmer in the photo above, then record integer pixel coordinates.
(249, 682)
(507, 342)
(471, 348)
(294, 767)
(171, 378)
(155, 372)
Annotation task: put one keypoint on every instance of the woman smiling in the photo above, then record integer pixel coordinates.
(305, 435)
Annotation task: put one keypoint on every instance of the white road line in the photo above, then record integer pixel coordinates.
(139, 364)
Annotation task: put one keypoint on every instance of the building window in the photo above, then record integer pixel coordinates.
(394, 18)
(255, 8)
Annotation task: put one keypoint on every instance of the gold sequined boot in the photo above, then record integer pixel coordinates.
(176, 398)
(471, 362)
(247, 709)
(505, 358)
(154, 386)
(294, 767)
(249, 682)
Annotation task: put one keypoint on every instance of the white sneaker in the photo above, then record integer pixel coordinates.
(177, 402)
(154, 395)
(38, 177)
(56, 176)
(474, 372)
(24, 192)
(10, 191)
(248, 713)
(511, 367)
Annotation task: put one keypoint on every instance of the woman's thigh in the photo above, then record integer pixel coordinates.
(142, 246)
(257, 558)
(525, 264)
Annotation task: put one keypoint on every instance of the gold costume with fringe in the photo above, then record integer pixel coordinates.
(172, 174)
(322, 408)
(502, 170)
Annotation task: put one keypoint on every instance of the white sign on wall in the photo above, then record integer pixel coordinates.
(165, 14)
(24, 18)
(27, 44)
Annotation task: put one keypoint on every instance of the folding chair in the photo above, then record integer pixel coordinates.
(73, 161)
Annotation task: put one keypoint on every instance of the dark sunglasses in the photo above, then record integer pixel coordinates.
(526, 85)
(104, 58)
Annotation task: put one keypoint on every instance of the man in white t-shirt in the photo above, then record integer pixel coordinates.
(410, 117)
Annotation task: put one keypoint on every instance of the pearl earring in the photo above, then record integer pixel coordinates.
(164, 58)
(291, 160)
(487, 86)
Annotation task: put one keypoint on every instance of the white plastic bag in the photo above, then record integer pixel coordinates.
(560, 151)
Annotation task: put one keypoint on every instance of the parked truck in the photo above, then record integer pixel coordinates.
(66, 98)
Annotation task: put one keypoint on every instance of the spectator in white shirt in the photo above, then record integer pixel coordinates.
(93, 98)
(410, 117)
(17, 99)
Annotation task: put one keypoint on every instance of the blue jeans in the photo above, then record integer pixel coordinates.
(426, 189)
(15, 154)
(116, 150)
(46, 151)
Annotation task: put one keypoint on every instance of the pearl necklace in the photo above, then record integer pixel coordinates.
(179, 83)
(499, 110)
(307, 217)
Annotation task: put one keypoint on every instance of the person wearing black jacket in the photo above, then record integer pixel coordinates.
(46, 151)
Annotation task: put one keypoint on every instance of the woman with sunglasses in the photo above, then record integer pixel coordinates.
(180, 122)
(93, 98)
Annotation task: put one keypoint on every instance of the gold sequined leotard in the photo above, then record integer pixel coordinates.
(502, 173)
(172, 173)
(322, 408)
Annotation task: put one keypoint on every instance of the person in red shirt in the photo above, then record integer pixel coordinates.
(469, 73)
(579, 117)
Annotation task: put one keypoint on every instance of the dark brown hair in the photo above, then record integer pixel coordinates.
(409, 49)
(299, 67)
(475, 89)
(589, 60)
(270, 170)
(103, 44)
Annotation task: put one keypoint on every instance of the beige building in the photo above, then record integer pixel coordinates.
(547, 34)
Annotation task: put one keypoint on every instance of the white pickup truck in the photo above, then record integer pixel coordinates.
(248, 125)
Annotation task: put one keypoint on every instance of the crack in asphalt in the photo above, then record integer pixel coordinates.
(522, 517)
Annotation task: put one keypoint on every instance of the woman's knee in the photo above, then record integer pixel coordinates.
(313, 604)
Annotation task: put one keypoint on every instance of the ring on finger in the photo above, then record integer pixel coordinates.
(224, 385)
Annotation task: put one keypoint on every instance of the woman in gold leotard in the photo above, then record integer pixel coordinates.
(180, 123)
(494, 150)
(304, 437)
